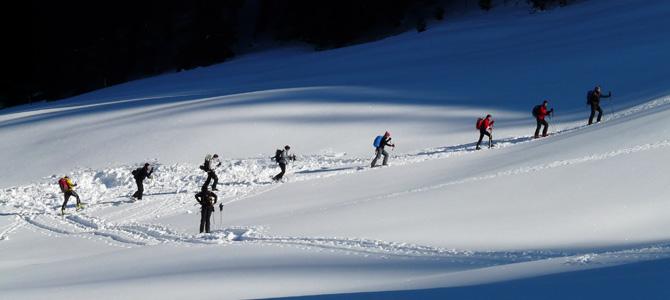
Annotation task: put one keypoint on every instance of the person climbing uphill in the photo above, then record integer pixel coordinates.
(211, 163)
(140, 174)
(379, 144)
(540, 112)
(282, 157)
(593, 100)
(485, 127)
(67, 187)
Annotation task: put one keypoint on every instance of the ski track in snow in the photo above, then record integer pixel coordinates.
(170, 193)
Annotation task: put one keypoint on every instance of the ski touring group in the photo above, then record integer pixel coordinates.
(207, 198)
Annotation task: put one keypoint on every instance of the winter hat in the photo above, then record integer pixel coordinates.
(387, 133)
(287, 147)
(488, 116)
(146, 164)
(215, 155)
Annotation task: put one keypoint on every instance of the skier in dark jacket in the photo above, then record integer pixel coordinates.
(593, 99)
(140, 174)
(207, 199)
(282, 157)
(540, 116)
(379, 151)
(211, 163)
(486, 129)
(67, 187)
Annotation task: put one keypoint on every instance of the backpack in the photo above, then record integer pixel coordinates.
(589, 95)
(277, 156)
(536, 110)
(63, 185)
(136, 172)
(480, 121)
(377, 142)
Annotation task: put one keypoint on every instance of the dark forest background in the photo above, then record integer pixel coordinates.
(73, 47)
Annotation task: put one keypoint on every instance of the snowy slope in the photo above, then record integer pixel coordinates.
(441, 216)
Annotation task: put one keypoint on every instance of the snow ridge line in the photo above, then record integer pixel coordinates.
(244, 181)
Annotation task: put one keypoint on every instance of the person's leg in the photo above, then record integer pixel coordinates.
(490, 138)
(140, 189)
(203, 213)
(208, 180)
(208, 219)
(378, 154)
(137, 192)
(281, 174)
(66, 197)
(481, 136)
(546, 127)
(600, 113)
(77, 197)
(593, 113)
(386, 157)
(216, 181)
(537, 129)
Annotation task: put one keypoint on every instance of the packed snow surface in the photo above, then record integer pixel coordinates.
(582, 213)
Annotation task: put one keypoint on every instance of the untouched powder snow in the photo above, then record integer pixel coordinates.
(583, 213)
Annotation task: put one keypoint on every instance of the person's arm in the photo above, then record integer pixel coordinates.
(197, 198)
(608, 95)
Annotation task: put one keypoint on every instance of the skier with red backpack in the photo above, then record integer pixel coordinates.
(485, 127)
(379, 143)
(66, 186)
(540, 112)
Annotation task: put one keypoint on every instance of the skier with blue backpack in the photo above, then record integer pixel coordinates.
(379, 144)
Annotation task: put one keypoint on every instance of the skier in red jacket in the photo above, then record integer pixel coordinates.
(485, 129)
(540, 112)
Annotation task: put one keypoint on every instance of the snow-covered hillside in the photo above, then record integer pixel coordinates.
(583, 213)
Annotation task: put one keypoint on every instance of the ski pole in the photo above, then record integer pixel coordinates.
(220, 216)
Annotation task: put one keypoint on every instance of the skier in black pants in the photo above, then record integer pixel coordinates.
(540, 112)
(207, 199)
(211, 163)
(67, 187)
(282, 157)
(140, 174)
(379, 151)
(485, 129)
(593, 99)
